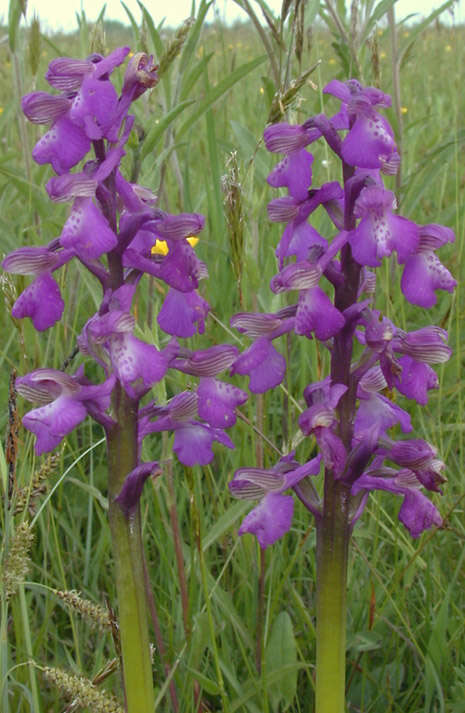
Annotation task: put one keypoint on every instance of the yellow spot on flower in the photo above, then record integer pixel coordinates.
(448, 48)
(403, 109)
(332, 61)
(262, 91)
(161, 246)
(1, 110)
(382, 55)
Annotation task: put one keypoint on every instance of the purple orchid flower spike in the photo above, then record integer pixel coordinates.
(351, 413)
(119, 234)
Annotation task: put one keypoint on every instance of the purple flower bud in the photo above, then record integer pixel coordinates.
(140, 75)
(129, 495)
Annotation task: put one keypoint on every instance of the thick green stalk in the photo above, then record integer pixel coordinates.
(332, 548)
(128, 558)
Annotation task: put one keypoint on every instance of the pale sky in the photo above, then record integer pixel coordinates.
(56, 15)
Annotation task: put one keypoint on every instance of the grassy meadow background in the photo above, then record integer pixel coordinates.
(203, 122)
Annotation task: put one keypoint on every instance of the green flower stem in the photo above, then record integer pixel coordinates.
(333, 535)
(128, 558)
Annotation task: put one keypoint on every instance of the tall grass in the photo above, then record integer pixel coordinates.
(406, 598)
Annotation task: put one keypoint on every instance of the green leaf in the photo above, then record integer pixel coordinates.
(418, 29)
(14, 18)
(154, 34)
(217, 92)
(365, 641)
(378, 13)
(206, 683)
(157, 130)
(224, 523)
(249, 147)
(200, 637)
(134, 25)
(270, 89)
(193, 38)
(281, 661)
(312, 10)
(189, 80)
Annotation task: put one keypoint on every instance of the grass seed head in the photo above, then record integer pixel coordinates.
(16, 565)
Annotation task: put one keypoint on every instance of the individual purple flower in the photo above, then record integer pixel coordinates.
(87, 231)
(294, 172)
(415, 379)
(320, 419)
(417, 512)
(179, 268)
(380, 231)
(136, 364)
(421, 458)
(264, 365)
(376, 413)
(193, 439)
(272, 517)
(64, 401)
(217, 402)
(423, 272)
(41, 300)
(316, 313)
(370, 140)
(63, 146)
(183, 314)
